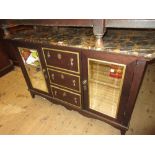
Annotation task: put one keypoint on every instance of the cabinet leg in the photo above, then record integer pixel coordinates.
(99, 42)
(123, 132)
(32, 95)
(99, 30)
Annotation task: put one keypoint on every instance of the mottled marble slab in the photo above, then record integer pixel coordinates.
(123, 41)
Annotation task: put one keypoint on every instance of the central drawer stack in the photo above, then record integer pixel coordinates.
(64, 74)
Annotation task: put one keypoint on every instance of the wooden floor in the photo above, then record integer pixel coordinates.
(20, 114)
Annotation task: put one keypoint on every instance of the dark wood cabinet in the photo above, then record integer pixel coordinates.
(6, 64)
(10, 51)
(99, 86)
(69, 70)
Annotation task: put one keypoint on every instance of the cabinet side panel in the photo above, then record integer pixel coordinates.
(137, 80)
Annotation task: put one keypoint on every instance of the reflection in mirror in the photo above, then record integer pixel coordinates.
(105, 81)
(32, 64)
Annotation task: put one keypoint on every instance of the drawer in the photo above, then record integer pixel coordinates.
(64, 79)
(66, 96)
(65, 60)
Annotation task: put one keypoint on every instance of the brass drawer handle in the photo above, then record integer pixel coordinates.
(52, 76)
(59, 56)
(75, 100)
(71, 61)
(74, 83)
(55, 92)
(45, 76)
(48, 54)
(64, 94)
(44, 72)
(62, 76)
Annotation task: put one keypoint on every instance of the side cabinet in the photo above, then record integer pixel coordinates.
(6, 65)
(107, 80)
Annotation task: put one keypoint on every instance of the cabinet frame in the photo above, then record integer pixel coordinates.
(135, 69)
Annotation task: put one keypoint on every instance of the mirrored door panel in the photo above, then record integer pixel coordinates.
(105, 82)
(32, 64)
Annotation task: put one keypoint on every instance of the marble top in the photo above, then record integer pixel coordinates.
(123, 41)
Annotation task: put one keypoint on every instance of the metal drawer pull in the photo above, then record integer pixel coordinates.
(55, 92)
(62, 76)
(59, 56)
(45, 76)
(64, 94)
(71, 61)
(48, 54)
(74, 83)
(75, 100)
(44, 71)
(52, 76)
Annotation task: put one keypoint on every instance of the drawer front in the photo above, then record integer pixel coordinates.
(64, 79)
(66, 96)
(65, 60)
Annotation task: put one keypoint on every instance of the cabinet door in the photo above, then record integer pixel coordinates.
(31, 61)
(106, 83)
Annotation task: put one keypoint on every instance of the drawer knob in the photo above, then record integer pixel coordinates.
(62, 76)
(84, 82)
(71, 61)
(74, 83)
(48, 54)
(59, 56)
(52, 76)
(64, 94)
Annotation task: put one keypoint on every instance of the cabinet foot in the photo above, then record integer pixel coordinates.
(32, 95)
(99, 30)
(99, 42)
(123, 132)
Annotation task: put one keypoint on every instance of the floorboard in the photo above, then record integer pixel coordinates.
(20, 114)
